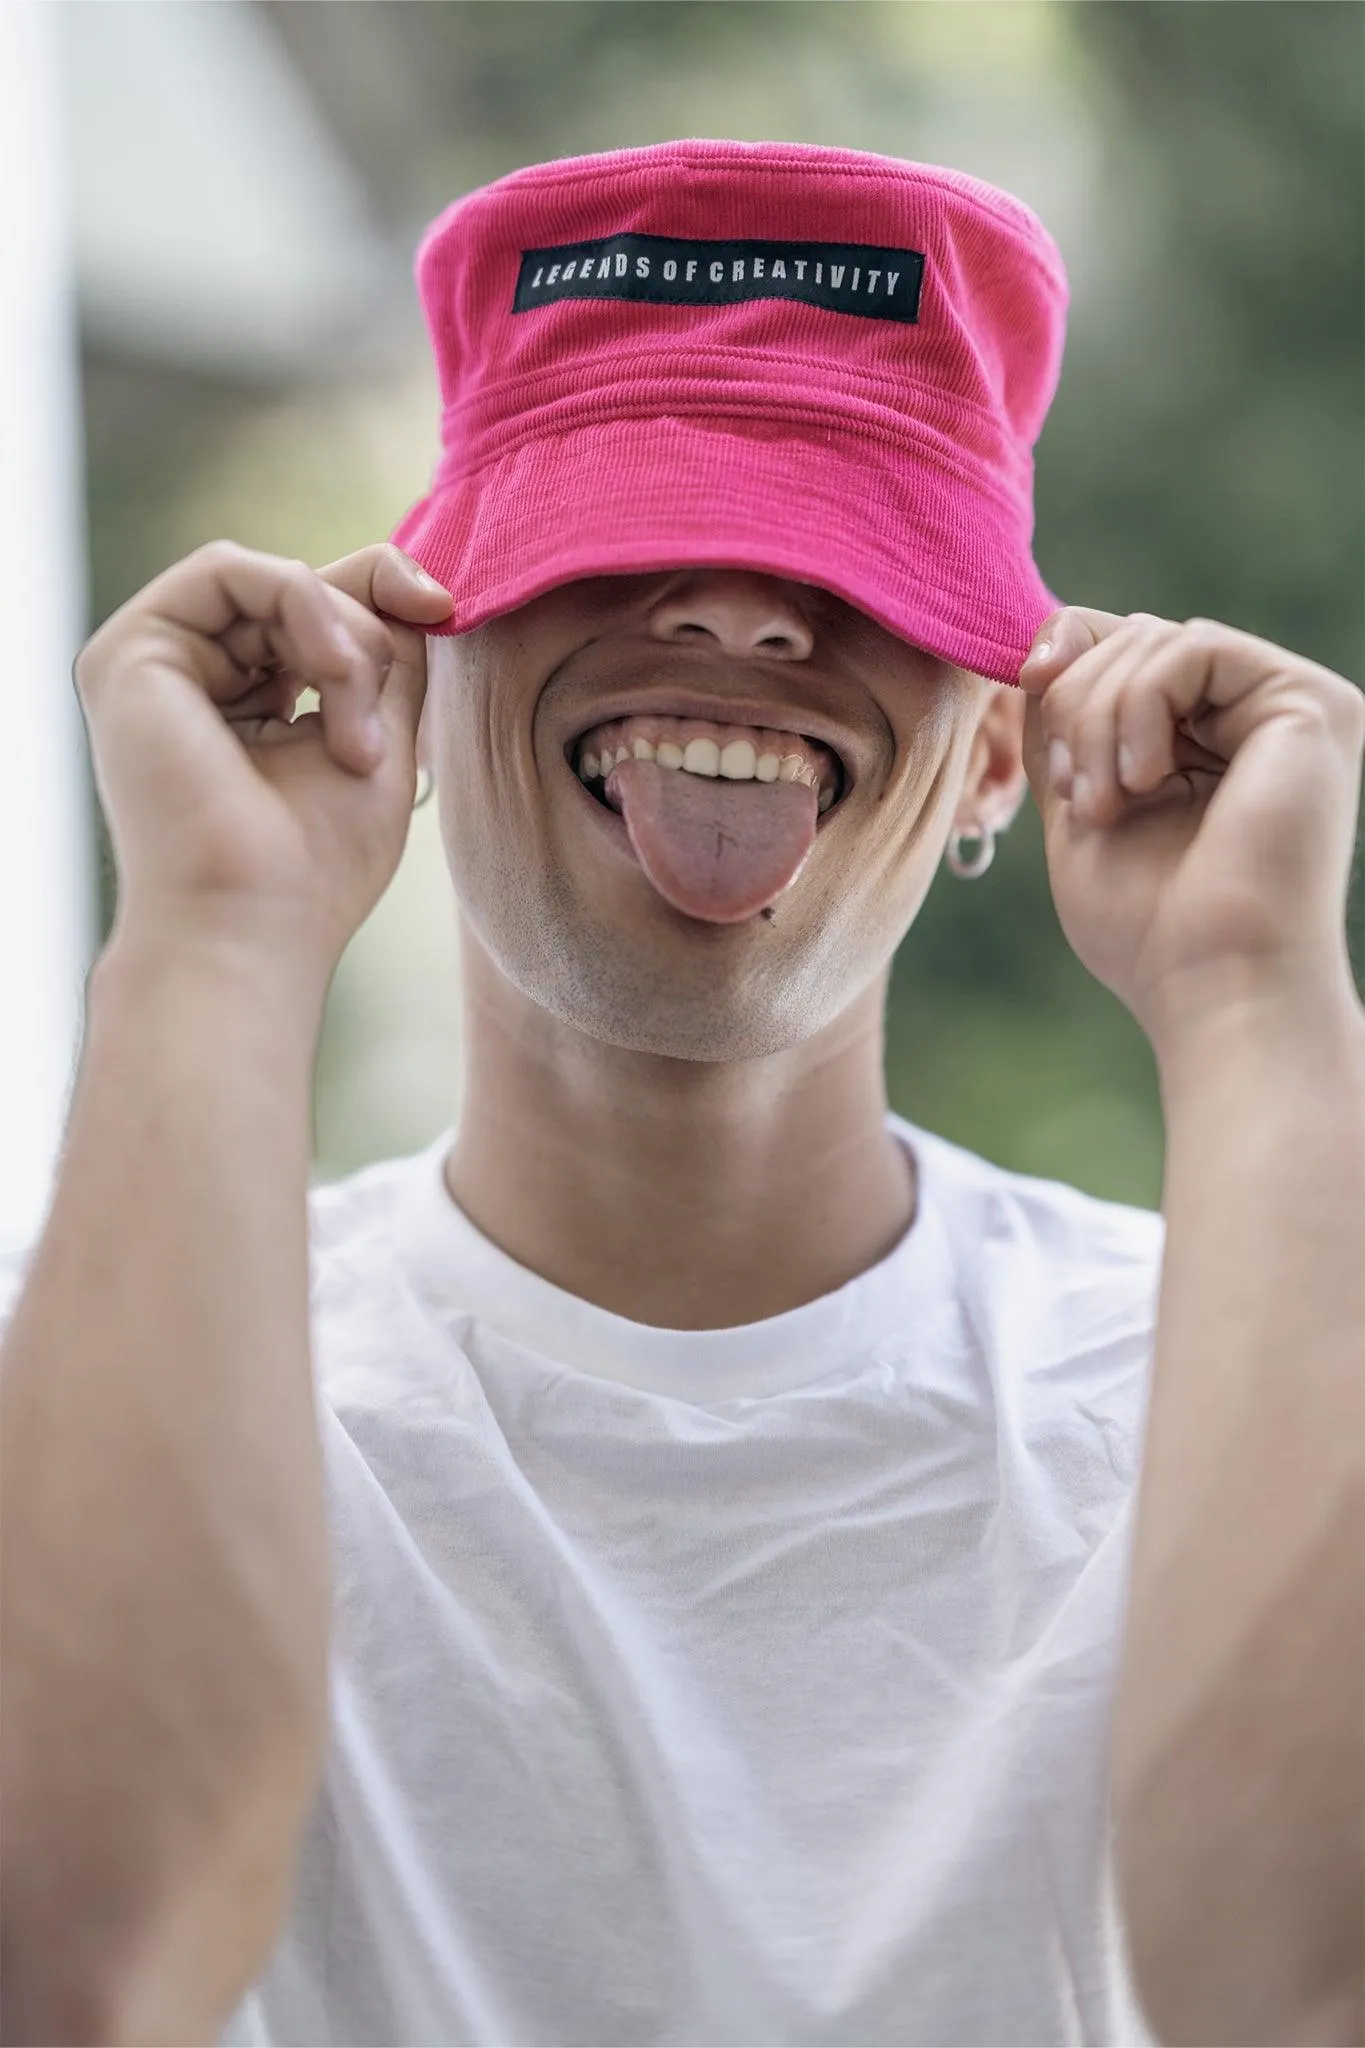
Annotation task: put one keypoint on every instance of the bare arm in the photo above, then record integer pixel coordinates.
(1240, 1732)
(165, 1599)
(163, 1521)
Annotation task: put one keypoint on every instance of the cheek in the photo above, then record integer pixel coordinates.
(895, 857)
(489, 816)
(496, 831)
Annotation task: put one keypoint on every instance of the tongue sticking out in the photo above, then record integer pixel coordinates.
(715, 849)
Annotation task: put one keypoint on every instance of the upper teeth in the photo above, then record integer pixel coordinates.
(749, 756)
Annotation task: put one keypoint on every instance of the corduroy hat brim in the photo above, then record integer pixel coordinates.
(630, 496)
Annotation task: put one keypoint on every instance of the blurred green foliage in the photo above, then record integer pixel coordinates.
(1203, 455)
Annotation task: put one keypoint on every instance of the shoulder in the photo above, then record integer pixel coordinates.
(1056, 1292)
(361, 1300)
(1003, 1205)
(352, 1209)
(1061, 1286)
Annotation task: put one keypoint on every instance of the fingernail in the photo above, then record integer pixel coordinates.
(1058, 763)
(429, 582)
(1040, 652)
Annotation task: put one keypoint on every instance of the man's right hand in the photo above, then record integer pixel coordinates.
(226, 818)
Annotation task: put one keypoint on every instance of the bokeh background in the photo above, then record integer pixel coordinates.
(246, 185)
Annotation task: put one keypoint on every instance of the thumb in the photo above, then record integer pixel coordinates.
(390, 584)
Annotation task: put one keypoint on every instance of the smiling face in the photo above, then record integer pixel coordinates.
(864, 752)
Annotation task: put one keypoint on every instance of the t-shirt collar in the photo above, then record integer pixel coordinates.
(458, 1274)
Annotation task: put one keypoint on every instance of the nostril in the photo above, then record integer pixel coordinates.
(782, 641)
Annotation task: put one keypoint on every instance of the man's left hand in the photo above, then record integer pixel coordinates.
(1213, 859)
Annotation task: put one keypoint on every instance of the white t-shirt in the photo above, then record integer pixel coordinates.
(744, 1686)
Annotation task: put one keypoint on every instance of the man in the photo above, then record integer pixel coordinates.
(725, 1489)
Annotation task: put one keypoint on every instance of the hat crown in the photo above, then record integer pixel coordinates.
(822, 362)
(990, 321)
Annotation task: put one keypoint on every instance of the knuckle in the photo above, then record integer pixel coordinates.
(365, 626)
(220, 550)
(1063, 703)
(1345, 707)
(81, 668)
(92, 658)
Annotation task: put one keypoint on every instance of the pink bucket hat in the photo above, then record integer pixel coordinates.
(819, 363)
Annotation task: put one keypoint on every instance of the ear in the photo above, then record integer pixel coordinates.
(995, 783)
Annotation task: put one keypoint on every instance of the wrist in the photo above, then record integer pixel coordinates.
(142, 962)
(1306, 1027)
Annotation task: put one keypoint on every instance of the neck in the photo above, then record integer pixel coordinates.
(689, 1195)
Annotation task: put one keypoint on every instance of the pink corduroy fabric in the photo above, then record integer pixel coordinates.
(877, 445)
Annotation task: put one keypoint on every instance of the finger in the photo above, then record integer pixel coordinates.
(1194, 683)
(384, 579)
(289, 611)
(403, 695)
(394, 689)
(1223, 678)
(1100, 785)
(348, 693)
(1186, 753)
(273, 697)
(254, 643)
(301, 623)
(1152, 728)
(1079, 687)
(1061, 639)
(273, 732)
(350, 702)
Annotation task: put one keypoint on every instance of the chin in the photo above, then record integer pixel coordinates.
(682, 990)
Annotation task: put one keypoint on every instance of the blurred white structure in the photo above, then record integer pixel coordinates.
(215, 223)
(48, 899)
(168, 191)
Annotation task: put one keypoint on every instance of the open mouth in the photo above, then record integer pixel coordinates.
(686, 800)
(703, 747)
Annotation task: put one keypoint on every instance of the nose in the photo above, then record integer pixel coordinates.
(743, 613)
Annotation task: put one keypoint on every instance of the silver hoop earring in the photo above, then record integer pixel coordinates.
(980, 860)
(418, 801)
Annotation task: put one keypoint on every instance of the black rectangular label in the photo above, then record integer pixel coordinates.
(668, 270)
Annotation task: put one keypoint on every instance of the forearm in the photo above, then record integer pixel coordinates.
(163, 1523)
(1239, 1736)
